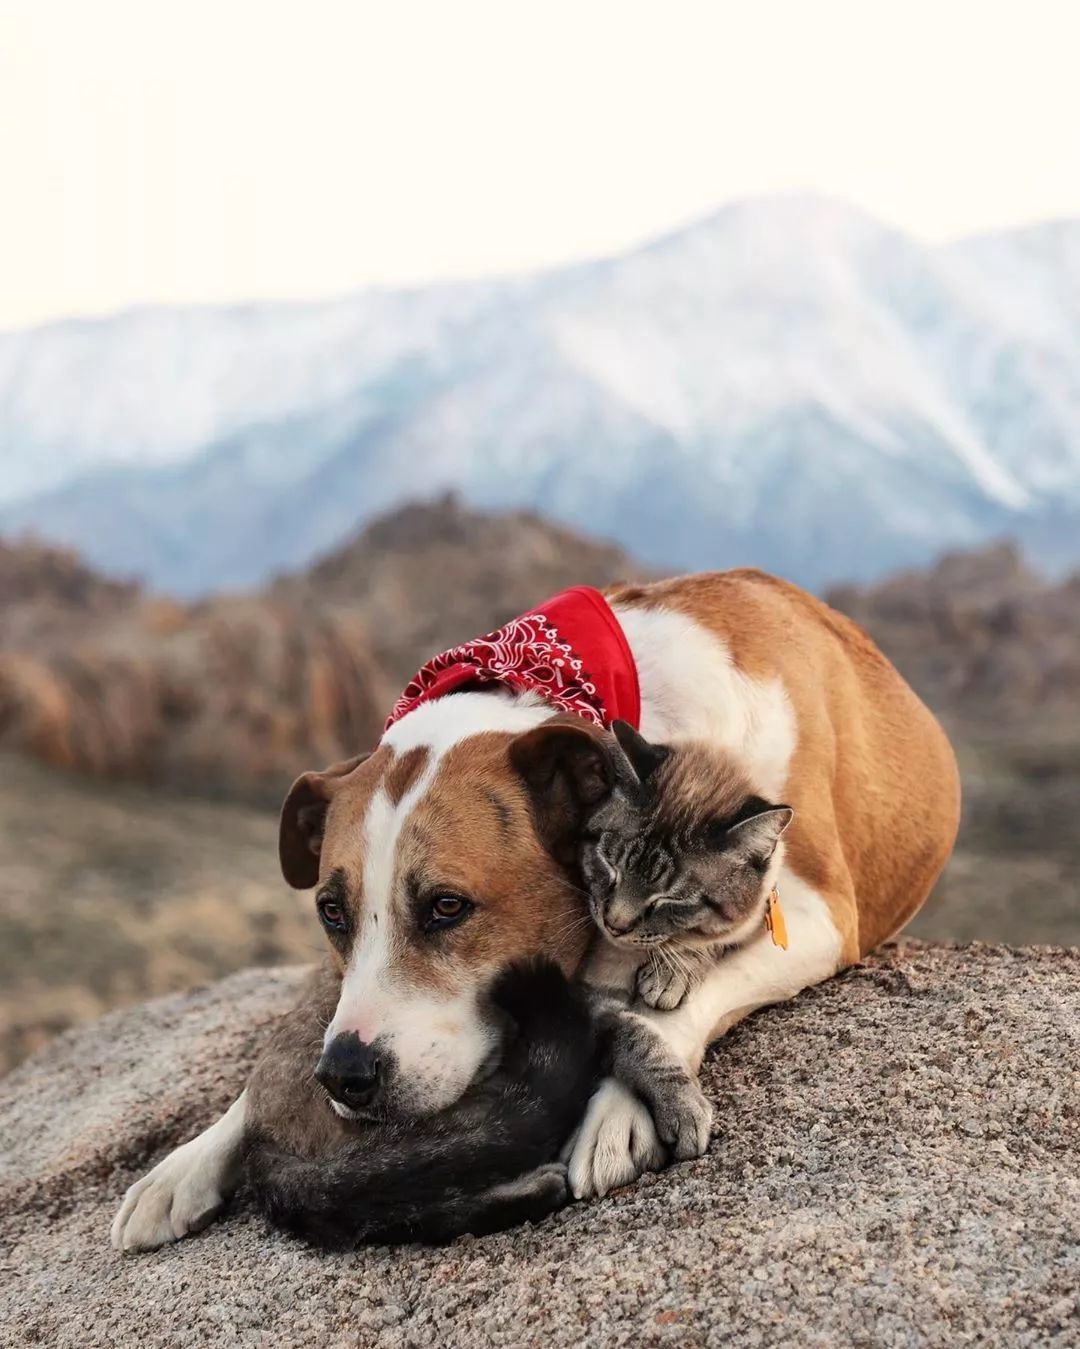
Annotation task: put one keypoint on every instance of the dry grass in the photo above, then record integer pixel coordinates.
(112, 894)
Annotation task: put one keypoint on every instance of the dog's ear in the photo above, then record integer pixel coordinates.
(568, 769)
(642, 755)
(303, 818)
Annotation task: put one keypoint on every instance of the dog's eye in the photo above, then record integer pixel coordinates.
(332, 915)
(448, 909)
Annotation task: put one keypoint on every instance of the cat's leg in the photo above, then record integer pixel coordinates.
(669, 975)
(186, 1190)
(756, 975)
(641, 1060)
(648, 1111)
(611, 1148)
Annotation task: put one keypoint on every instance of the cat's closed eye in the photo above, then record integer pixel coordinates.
(608, 876)
(604, 886)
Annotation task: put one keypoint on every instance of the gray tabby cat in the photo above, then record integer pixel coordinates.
(679, 860)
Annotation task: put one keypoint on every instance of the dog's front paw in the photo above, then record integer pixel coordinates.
(662, 987)
(185, 1191)
(179, 1196)
(616, 1142)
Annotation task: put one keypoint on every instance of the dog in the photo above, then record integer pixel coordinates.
(450, 850)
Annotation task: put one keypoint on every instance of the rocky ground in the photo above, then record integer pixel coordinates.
(894, 1163)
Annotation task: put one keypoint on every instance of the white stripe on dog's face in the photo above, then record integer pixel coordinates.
(363, 990)
(436, 1042)
(418, 998)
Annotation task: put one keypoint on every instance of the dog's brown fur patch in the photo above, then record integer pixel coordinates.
(343, 835)
(456, 838)
(404, 771)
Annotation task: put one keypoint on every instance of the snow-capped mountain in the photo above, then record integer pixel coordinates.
(788, 383)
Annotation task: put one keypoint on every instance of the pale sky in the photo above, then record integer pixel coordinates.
(209, 150)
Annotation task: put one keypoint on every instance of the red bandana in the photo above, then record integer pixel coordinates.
(571, 650)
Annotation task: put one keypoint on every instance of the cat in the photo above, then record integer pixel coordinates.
(679, 860)
(486, 1163)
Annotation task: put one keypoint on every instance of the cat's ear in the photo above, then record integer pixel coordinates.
(568, 769)
(643, 757)
(755, 838)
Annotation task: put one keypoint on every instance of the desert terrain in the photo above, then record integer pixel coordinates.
(145, 743)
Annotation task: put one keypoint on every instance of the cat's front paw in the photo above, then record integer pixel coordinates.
(662, 987)
(682, 1114)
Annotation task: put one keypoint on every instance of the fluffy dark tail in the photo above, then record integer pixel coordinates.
(432, 1178)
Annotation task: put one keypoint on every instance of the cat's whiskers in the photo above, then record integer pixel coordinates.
(578, 890)
(663, 960)
(678, 963)
(667, 956)
(681, 964)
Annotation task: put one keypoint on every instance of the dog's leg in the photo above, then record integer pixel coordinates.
(615, 1143)
(529, 1198)
(617, 1139)
(185, 1191)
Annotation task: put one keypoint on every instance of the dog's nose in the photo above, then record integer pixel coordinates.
(349, 1070)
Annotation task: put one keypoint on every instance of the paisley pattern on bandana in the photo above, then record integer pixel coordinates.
(526, 654)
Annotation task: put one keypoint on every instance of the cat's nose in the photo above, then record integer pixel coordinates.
(617, 931)
(620, 918)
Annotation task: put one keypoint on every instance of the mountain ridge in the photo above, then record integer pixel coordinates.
(236, 694)
(786, 383)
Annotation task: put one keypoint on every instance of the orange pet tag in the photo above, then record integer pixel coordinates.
(774, 919)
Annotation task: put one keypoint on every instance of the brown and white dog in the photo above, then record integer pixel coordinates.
(474, 798)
